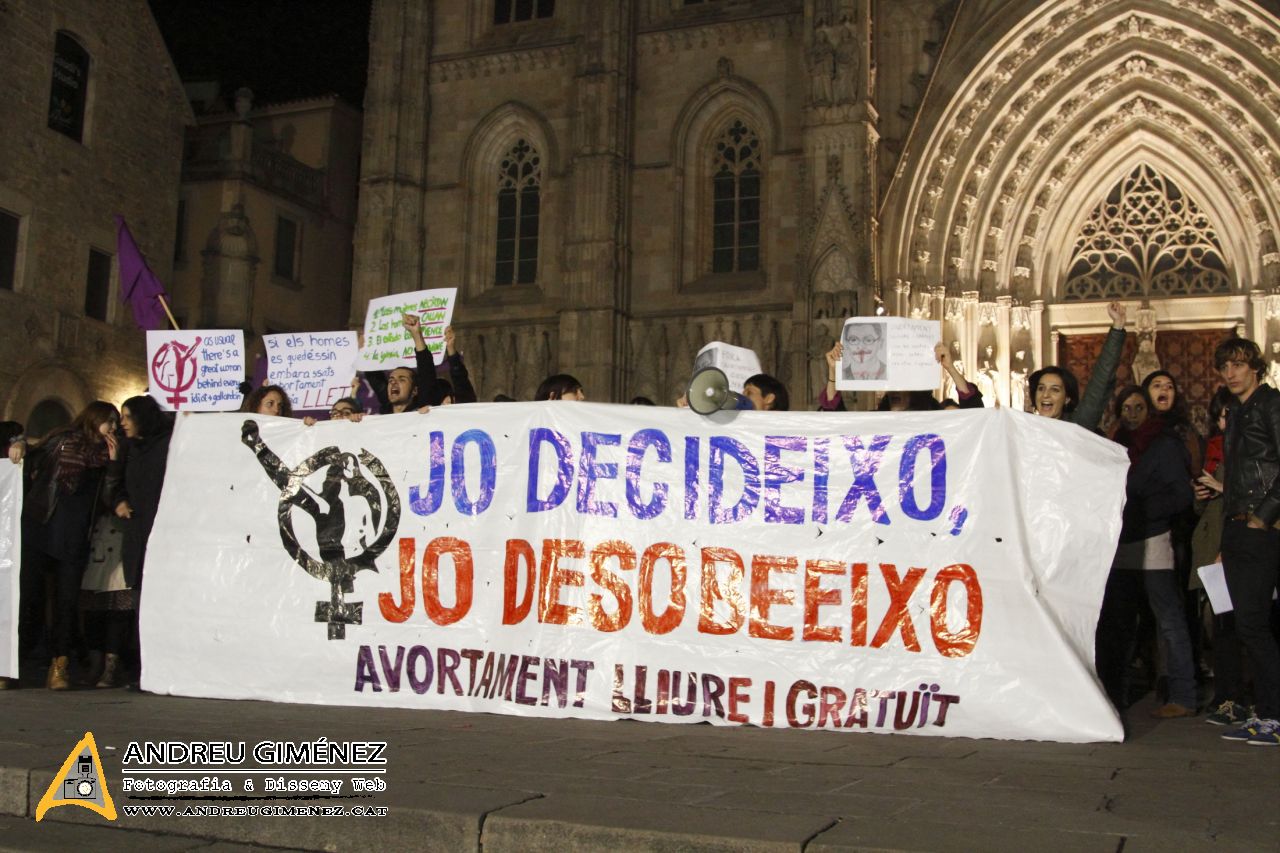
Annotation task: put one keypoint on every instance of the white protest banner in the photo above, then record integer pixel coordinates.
(889, 354)
(10, 561)
(860, 572)
(386, 342)
(314, 368)
(196, 371)
(737, 363)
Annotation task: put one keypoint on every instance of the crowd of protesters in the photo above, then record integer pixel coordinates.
(92, 490)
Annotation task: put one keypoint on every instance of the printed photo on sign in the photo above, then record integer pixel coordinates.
(314, 368)
(196, 371)
(737, 363)
(864, 351)
(889, 354)
(386, 342)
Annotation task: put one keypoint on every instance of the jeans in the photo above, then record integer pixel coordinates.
(1164, 593)
(1127, 591)
(1251, 563)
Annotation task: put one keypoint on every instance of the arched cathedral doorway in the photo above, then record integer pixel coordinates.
(1099, 150)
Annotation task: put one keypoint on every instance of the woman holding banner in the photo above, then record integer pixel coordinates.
(268, 400)
(63, 484)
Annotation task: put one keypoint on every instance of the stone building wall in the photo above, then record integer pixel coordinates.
(932, 158)
(623, 104)
(65, 192)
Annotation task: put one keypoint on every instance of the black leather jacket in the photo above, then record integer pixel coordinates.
(1252, 450)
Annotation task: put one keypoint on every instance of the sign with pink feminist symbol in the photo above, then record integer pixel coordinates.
(195, 371)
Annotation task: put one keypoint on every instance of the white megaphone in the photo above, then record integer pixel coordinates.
(709, 393)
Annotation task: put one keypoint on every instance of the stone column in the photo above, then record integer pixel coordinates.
(592, 332)
(969, 334)
(1004, 337)
(390, 240)
(1257, 319)
(1037, 333)
(840, 140)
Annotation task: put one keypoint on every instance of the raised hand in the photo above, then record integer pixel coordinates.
(943, 355)
(833, 360)
(449, 348)
(1118, 313)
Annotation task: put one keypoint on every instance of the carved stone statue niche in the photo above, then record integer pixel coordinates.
(848, 64)
(822, 67)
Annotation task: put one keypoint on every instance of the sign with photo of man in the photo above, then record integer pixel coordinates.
(888, 354)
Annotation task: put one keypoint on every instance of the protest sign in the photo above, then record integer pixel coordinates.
(386, 342)
(860, 572)
(889, 354)
(314, 368)
(10, 561)
(737, 363)
(195, 371)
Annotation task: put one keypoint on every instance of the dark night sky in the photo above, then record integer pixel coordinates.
(281, 49)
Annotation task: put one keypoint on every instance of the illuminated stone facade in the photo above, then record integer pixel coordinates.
(93, 116)
(941, 159)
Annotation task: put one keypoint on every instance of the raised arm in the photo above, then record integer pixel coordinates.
(830, 400)
(1096, 394)
(463, 390)
(969, 395)
(425, 365)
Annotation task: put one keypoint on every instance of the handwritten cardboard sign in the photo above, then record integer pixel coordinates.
(195, 371)
(738, 363)
(386, 342)
(314, 368)
(888, 354)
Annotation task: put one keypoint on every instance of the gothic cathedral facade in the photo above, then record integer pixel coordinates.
(613, 183)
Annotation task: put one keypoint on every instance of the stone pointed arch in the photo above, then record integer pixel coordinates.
(1070, 93)
(492, 138)
(1077, 201)
(1146, 237)
(709, 111)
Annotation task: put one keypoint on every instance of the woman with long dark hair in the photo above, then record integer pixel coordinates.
(1157, 490)
(135, 476)
(1169, 405)
(63, 486)
(268, 400)
(1055, 391)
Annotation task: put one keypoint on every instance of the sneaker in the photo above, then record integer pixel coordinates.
(1244, 732)
(1172, 710)
(1227, 714)
(1266, 733)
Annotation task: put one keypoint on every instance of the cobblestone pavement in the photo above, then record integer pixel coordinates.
(459, 781)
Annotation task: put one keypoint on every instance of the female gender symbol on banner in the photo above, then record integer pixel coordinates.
(342, 475)
(174, 369)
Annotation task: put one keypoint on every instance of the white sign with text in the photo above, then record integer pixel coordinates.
(737, 363)
(889, 354)
(196, 370)
(314, 368)
(388, 344)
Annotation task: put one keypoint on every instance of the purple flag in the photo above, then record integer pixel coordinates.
(139, 287)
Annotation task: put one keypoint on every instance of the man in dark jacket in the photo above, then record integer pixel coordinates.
(1250, 536)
